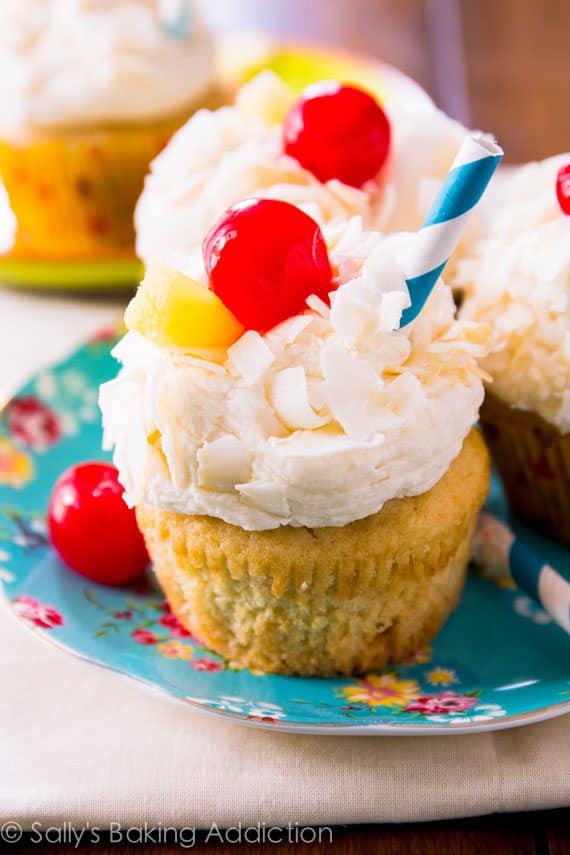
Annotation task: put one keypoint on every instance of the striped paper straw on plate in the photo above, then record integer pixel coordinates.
(500, 553)
(470, 173)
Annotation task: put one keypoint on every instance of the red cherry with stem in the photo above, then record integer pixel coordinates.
(338, 131)
(563, 188)
(264, 258)
(92, 529)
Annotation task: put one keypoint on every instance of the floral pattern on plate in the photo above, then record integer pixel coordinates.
(496, 663)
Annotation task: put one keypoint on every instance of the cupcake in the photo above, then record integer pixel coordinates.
(91, 91)
(395, 155)
(518, 279)
(305, 473)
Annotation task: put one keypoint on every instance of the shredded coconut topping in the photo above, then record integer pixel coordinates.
(318, 422)
(517, 278)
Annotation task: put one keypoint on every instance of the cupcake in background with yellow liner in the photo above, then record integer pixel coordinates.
(235, 152)
(518, 279)
(307, 490)
(91, 91)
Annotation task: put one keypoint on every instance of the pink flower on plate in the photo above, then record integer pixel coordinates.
(31, 610)
(144, 636)
(266, 719)
(205, 665)
(176, 628)
(33, 423)
(442, 703)
(104, 335)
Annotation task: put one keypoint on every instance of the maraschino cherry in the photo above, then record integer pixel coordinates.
(563, 188)
(338, 131)
(264, 258)
(91, 527)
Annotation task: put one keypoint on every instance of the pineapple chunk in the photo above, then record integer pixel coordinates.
(173, 310)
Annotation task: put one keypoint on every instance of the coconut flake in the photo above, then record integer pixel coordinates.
(352, 391)
(405, 394)
(290, 399)
(223, 463)
(288, 331)
(317, 305)
(391, 307)
(267, 496)
(352, 312)
(250, 357)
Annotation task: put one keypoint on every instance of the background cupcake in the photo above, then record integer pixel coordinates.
(518, 279)
(220, 157)
(91, 91)
(307, 489)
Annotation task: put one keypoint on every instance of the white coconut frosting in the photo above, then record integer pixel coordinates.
(518, 279)
(316, 423)
(76, 62)
(233, 153)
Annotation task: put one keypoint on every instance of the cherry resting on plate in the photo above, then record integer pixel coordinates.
(92, 529)
(264, 258)
(338, 131)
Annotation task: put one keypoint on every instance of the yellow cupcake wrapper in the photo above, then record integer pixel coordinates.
(73, 194)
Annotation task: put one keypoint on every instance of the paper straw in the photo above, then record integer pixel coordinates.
(175, 17)
(501, 553)
(467, 180)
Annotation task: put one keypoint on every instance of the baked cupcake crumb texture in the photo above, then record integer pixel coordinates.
(330, 600)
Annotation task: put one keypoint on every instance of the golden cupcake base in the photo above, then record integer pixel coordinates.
(533, 460)
(330, 600)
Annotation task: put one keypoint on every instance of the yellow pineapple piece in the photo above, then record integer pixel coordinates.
(173, 310)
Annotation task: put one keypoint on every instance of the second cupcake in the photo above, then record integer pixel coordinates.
(91, 92)
(518, 279)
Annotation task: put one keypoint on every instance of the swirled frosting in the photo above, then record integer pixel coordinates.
(233, 153)
(518, 279)
(76, 62)
(316, 423)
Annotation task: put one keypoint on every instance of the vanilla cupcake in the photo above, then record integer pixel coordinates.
(236, 152)
(518, 279)
(91, 90)
(307, 491)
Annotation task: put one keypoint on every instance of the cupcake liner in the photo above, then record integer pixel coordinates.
(533, 460)
(73, 195)
(73, 192)
(323, 601)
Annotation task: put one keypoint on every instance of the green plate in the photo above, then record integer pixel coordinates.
(56, 275)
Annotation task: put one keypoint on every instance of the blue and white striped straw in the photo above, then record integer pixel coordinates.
(176, 17)
(470, 173)
(500, 553)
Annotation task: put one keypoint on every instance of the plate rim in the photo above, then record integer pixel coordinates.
(508, 722)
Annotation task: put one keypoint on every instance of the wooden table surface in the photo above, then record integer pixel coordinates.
(498, 65)
(546, 833)
(503, 66)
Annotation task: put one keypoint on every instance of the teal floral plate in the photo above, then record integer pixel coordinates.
(499, 661)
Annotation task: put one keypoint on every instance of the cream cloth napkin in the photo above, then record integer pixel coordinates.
(80, 744)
